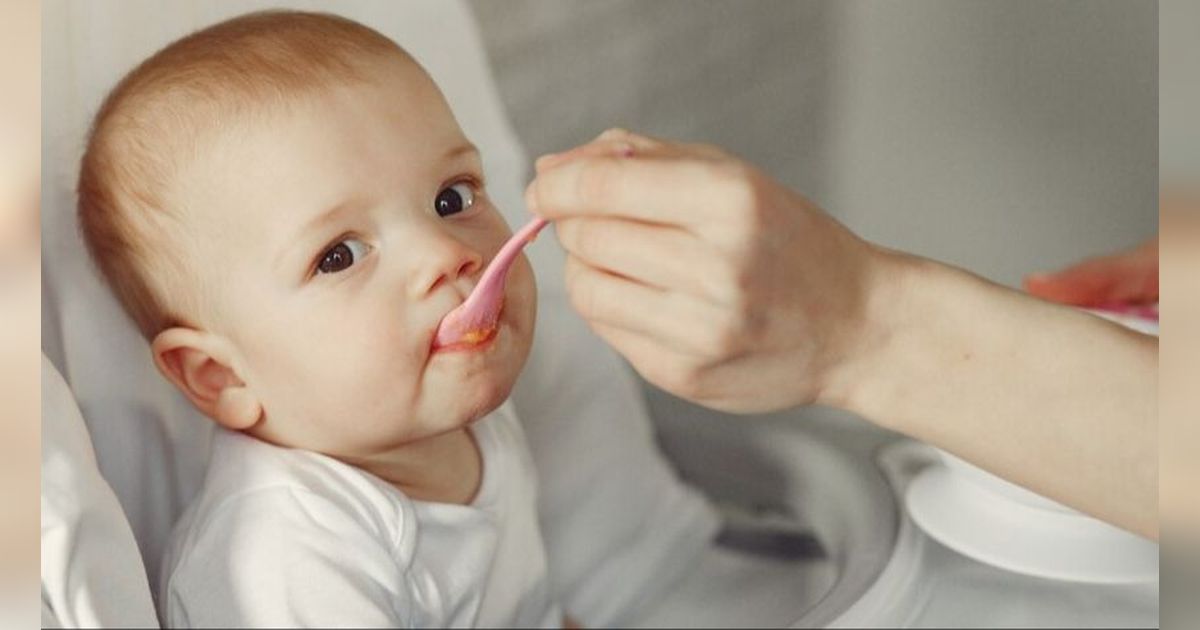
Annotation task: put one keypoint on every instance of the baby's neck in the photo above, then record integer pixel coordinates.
(446, 468)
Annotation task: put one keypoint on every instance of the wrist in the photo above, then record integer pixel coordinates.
(887, 345)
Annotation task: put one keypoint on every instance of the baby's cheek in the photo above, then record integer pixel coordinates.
(358, 358)
(376, 385)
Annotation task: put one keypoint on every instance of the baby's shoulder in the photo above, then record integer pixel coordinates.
(254, 489)
(305, 533)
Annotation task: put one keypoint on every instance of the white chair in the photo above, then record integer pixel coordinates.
(92, 575)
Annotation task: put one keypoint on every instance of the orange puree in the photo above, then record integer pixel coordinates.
(477, 336)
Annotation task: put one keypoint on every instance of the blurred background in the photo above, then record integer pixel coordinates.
(1179, 398)
(20, 100)
(1004, 137)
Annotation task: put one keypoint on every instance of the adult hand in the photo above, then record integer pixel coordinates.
(714, 281)
(1128, 277)
(726, 288)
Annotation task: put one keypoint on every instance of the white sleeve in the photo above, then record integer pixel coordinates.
(285, 557)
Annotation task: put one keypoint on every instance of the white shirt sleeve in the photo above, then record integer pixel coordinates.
(285, 557)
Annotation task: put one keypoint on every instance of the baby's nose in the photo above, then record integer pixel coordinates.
(446, 260)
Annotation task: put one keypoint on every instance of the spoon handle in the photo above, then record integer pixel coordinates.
(493, 276)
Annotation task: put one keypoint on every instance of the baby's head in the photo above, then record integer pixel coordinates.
(286, 207)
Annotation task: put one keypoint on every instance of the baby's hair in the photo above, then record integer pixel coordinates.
(154, 119)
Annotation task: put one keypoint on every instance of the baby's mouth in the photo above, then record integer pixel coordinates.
(475, 338)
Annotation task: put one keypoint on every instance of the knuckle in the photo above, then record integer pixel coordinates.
(656, 370)
(748, 210)
(741, 308)
(652, 366)
(590, 239)
(564, 231)
(733, 186)
(613, 133)
(739, 258)
(582, 301)
(728, 278)
(747, 302)
(686, 380)
(756, 327)
(571, 272)
(725, 336)
(739, 277)
(581, 290)
(751, 322)
(731, 178)
(595, 180)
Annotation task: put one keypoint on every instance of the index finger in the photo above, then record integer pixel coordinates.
(674, 191)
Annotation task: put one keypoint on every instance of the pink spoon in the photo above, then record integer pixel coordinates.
(474, 320)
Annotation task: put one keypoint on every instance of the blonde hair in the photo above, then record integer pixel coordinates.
(153, 119)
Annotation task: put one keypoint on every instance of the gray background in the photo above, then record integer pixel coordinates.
(1004, 137)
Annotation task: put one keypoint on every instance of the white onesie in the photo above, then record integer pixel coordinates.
(284, 537)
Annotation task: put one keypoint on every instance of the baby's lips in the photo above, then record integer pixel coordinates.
(466, 325)
(468, 339)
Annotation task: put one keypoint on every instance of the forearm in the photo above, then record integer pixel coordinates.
(1048, 397)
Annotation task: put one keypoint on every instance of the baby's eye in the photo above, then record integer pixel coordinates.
(454, 199)
(342, 256)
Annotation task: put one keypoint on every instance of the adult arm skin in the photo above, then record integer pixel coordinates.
(724, 287)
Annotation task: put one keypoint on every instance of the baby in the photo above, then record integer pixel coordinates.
(286, 207)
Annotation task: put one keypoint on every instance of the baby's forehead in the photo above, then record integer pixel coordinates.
(398, 104)
(316, 151)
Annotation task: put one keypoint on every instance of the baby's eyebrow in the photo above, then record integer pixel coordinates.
(461, 150)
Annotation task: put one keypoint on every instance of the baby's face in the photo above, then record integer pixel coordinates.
(332, 239)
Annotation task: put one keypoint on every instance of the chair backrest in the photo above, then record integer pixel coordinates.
(92, 574)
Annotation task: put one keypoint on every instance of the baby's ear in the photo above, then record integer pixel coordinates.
(200, 365)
